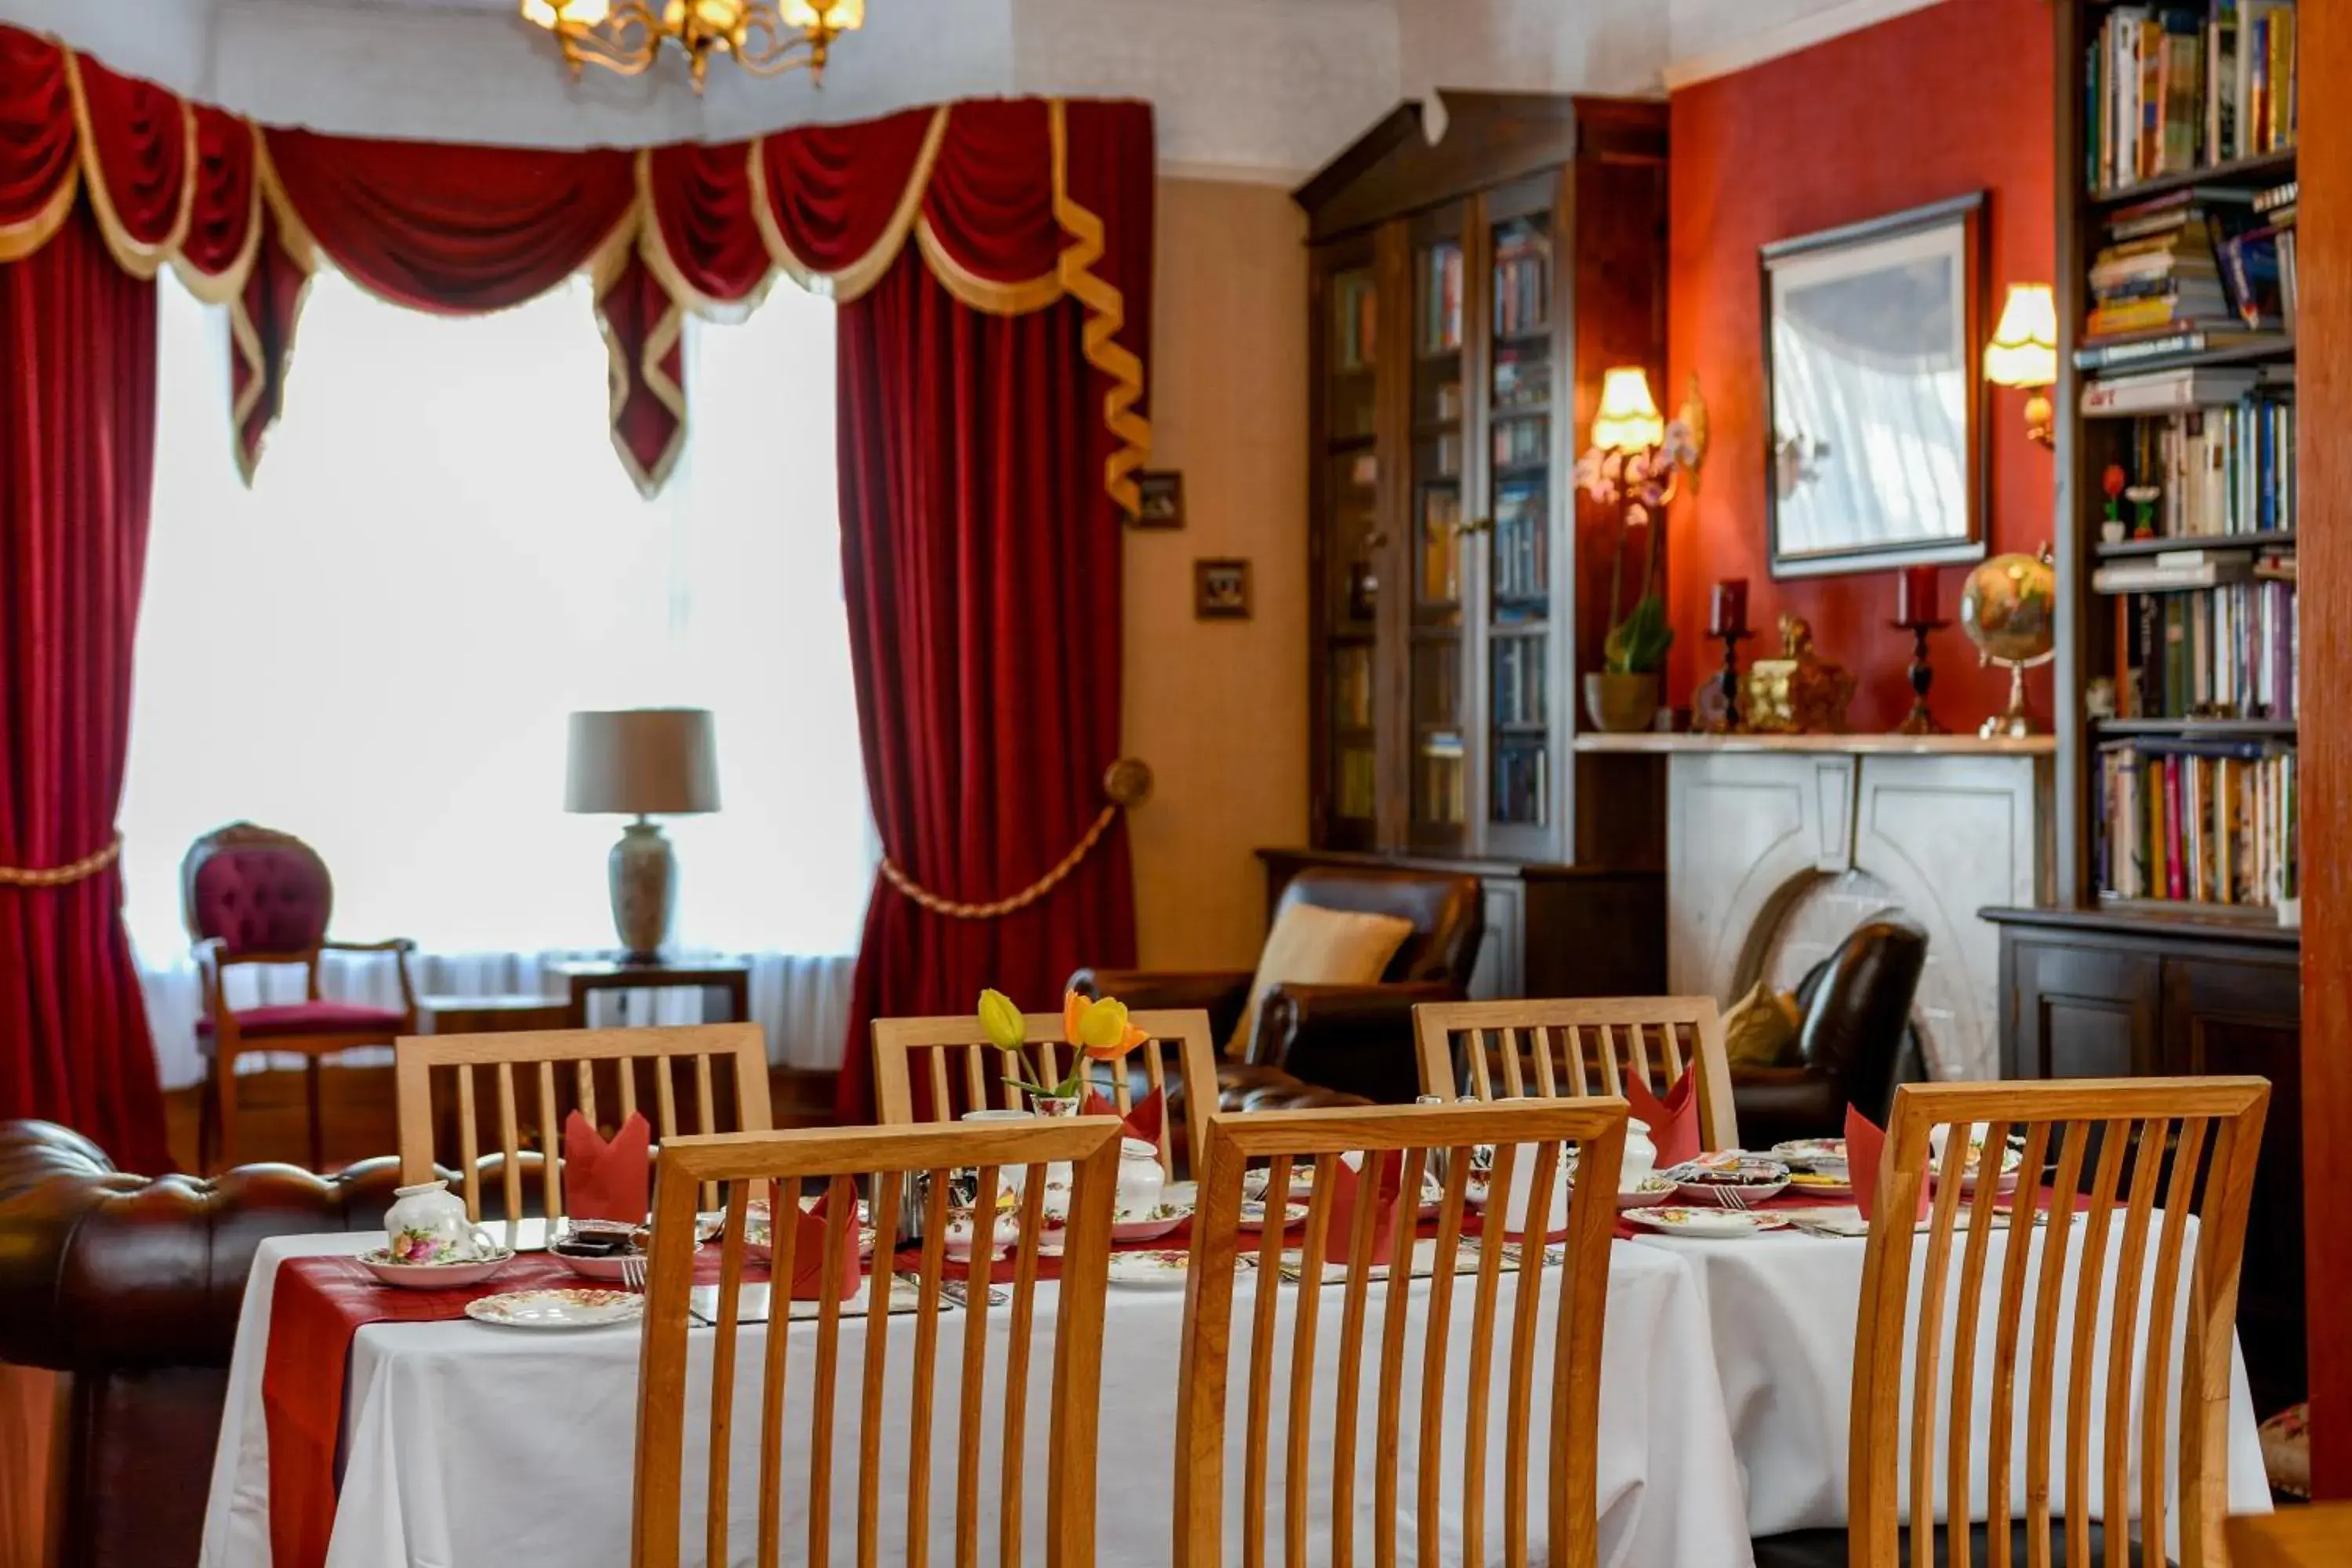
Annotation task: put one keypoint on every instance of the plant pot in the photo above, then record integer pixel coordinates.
(1621, 704)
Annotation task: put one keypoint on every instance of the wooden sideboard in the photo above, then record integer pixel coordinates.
(2087, 993)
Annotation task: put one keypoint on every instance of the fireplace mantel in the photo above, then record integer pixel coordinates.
(1778, 845)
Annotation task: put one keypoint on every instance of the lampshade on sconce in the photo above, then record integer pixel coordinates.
(2024, 351)
(643, 762)
(1628, 419)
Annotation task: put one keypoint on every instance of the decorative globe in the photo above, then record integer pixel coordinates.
(2010, 608)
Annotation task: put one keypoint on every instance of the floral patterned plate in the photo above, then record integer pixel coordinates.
(567, 1307)
(433, 1276)
(1254, 1213)
(1711, 1224)
(1159, 1269)
(1148, 1225)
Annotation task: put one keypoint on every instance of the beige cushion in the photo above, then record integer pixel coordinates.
(1311, 945)
(1761, 1028)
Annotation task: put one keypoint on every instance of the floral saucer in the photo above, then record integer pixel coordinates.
(1824, 1156)
(434, 1275)
(1148, 1225)
(1707, 1224)
(566, 1306)
(1254, 1213)
(1160, 1269)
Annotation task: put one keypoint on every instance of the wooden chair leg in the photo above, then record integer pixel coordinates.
(318, 1127)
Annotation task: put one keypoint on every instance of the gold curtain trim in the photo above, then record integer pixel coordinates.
(295, 239)
(19, 240)
(998, 908)
(606, 269)
(294, 236)
(867, 270)
(984, 293)
(89, 866)
(225, 287)
(1106, 313)
(134, 256)
(655, 248)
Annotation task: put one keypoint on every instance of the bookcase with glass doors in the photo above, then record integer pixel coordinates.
(1467, 293)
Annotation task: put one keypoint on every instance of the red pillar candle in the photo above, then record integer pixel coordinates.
(1915, 596)
(1728, 615)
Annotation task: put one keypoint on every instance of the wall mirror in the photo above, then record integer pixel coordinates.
(1874, 420)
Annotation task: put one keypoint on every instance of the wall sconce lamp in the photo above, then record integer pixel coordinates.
(2024, 352)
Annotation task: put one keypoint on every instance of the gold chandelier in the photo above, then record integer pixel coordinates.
(765, 36)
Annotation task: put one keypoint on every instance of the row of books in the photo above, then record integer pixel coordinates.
(1522, 283)
(1358, 782)
(1523, 376)
(2227, 651)
(1355, 321)
(1522, 557)
(1441, 299)
(1522, 443)
(1351, 686)
(1438, 796)
(2219, 470)
(1440, 525)
(1523, 782)
(2174, 88)
(2198, 822)
(1518, 694)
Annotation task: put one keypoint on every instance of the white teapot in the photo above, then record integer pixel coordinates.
(427, 1226)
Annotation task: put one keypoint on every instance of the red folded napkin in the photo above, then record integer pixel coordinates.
(607, 1179)
(1865, 1145)
(1348, 1189)
(808, 1254)
(1144, 1118)
(1672, 1121)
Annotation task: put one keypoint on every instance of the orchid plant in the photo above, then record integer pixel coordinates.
(1644, 480)
(1099, 1030)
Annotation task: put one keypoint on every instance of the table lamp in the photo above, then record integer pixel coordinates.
(643, 762)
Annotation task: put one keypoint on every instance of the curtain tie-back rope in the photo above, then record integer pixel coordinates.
(1127, 782)
(72, 871)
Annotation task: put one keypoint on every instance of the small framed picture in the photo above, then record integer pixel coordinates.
(1163, 498)
(1220, 589)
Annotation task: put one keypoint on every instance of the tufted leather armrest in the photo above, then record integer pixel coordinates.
(104, 1271)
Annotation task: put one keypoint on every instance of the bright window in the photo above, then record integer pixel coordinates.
(376, 645)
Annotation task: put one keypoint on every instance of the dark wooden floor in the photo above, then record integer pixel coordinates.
(356, 1104)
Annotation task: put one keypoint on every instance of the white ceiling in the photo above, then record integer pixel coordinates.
(1262, 89)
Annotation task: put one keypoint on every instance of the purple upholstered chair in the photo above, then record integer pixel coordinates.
(254, 895)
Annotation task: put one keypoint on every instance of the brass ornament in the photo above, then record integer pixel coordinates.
(1800, 693)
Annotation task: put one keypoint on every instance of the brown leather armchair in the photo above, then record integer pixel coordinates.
(1356, 1040)
(1856, 1046)
(130, 1287)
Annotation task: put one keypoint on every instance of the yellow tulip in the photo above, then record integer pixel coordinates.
(1002, 1022)
(1101, 1024)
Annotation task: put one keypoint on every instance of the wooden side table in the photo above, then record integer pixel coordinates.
(732, 977)
(491, 1015)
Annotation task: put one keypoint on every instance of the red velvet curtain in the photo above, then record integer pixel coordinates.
(76, 445)
(981, 557)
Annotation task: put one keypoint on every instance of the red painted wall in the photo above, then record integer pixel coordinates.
(1951, 99)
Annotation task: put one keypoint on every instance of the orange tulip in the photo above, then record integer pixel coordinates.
(1073, 1011)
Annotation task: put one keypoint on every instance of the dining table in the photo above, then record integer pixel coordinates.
(465, 1443)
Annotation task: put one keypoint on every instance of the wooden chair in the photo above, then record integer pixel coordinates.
(1569, 1412)
(960, 1070)
(2154, 1150)
(1578, 1046)
(777, 1163)
(2319, 1536)
(255, 897)
(631, 1057)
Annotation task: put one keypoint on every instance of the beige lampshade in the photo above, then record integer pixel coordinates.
(1627, 418)
(2024, 347)
(643, 761)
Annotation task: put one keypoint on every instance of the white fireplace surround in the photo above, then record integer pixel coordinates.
(1776, 846)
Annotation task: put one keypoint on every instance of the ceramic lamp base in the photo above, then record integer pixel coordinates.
(644, 890)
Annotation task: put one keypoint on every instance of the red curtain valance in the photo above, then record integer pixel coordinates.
(1013, 204)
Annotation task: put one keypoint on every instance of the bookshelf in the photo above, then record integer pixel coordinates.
(2203, 977)
(1465, 298)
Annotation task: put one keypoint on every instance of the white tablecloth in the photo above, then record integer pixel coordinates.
(467, 1445)
(1780, 1312)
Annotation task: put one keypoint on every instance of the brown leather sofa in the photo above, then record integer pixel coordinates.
(130, 1287)
(1354, 1041)
(1856, 1046)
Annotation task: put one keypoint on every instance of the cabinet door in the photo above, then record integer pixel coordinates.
(1349, 548)
(2225, 1016)
(1443, 777)
(1500, 973)
(2084, 1011)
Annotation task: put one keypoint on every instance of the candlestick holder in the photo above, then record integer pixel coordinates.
(1919, 721)
(1731, 640)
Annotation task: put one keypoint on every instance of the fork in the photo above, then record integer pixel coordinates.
(633, 1274)
(1731, 1197)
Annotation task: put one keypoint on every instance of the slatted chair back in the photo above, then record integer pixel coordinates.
(2110, 1277)
(840, 1356)
(1509, 1050)
(1542, 1376)
(539, 1077)
(933, 1069)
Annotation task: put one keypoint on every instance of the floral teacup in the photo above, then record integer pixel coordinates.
(426, 1226)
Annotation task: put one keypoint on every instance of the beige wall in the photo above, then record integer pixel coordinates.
(1219, 707)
